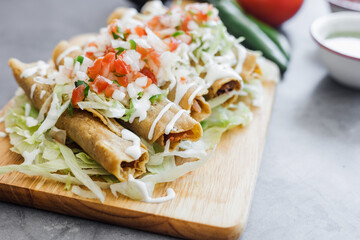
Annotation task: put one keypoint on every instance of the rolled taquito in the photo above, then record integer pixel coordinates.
(166, 121)
(96, 139)
(191, 98)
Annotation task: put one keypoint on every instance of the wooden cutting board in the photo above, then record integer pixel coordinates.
(212, 202)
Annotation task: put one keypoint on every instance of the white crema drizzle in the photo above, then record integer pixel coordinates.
(135, 150)
(157, 119)
(171, 124)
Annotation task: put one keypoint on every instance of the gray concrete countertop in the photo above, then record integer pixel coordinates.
(308, 185)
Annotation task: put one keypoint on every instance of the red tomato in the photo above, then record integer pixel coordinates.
(95, 69)
(174, 43)
(140, 31)
(78, 94)
(142, 51)
(155, 57)
(273, 12)
(121, 67)
(110, 90)
(147, 72)
(99, 84)
(185, 23)
(123, 81)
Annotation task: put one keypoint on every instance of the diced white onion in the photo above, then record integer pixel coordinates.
(141, 81)
(118, 95)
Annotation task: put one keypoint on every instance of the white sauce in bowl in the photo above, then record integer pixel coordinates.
(346, 45)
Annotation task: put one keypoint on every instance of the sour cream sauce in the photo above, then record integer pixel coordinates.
(345, 44)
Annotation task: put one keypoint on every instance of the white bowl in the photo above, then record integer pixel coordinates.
(345, 69)
(344, 5)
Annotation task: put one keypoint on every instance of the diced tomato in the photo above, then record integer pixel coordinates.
(99, 84)
(108, 64)
(121, 67)
(185, 23)
(109, 50)
(95, 69)
(201, 16)
(140, 31)
(174, 43)
(123, 81)
(155, 21)
(183, 80)
(142, 51)
(113, 28)
(147, 72)
(78, 94)
(90, 55)
(110, 90)
(127, 31)
(155, 57)
(110, 60)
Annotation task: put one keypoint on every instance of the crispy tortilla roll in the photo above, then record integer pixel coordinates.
(103, 145)
(249, 65)
(193, 101)
(62, 50)
(222, 86)
(166, 121)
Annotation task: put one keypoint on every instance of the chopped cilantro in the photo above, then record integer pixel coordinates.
(119, 75)
(80, 59)
(140, 94)
(128, 112)
(132, 44)
(119, 51)
(158, 97)
(116, 83)
(91, 80)
(209, 13)
(70, 109)
(203, 124)
(178, 33)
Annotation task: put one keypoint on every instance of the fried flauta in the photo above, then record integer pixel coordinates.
(95, 138)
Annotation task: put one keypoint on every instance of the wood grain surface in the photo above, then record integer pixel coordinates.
(212, 202)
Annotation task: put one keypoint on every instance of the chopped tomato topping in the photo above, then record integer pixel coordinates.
(127, 32)
(185, 23)
(174, 43)
(78, 94)
(155, 21)
(110, 89)
(109, 50)
(143, 51)
(183, 80)
(201, 16)
(99, 84)
(90, 55)
(109, 59)
(113, 28)
(95, 69)
(147, 72)
(140, 31)
(108, 64)
(155, 57)
(123, 81)
(120, 66)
